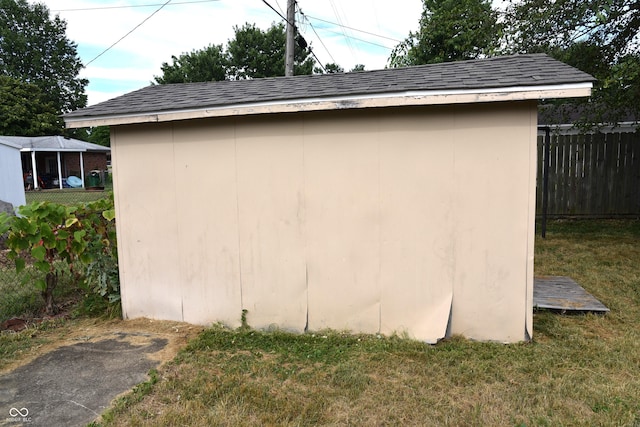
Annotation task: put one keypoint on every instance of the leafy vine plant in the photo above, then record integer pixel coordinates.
(81, 236)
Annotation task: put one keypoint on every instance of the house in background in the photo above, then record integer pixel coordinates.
(398, 200)
(11, 183)
(51, 160)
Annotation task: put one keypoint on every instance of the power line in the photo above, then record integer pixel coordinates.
(322, 43)
(337, 14)
(131, 6)
(360, 40)
(355, 29)
(319, 63)
(123, 37)
(318, 36)
(295, 29)
(279, 14)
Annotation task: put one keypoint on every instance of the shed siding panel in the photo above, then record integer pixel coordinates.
(416, 221)
(146, 211)
(342, 221)
(492, 192)
(207, 229)
(270, 163)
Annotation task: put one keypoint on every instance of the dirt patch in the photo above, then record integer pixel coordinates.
(76, 331)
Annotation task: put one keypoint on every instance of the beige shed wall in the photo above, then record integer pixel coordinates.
(416, 220)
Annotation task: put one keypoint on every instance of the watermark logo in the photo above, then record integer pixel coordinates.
(19, 415)
(14, 412)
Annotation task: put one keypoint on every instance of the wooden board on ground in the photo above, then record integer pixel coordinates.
(563, 293)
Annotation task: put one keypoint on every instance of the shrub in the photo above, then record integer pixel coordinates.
(82, 237)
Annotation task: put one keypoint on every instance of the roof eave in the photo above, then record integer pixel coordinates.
(413, 98)
(52, 150)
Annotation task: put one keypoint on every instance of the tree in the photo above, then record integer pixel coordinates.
(252, 53)
(255, 53)
(331, 68)
(613, 25)
(450, 30)
(34, 49)
(100, 135)
(599, 37)
(208, 64)
(24, 111)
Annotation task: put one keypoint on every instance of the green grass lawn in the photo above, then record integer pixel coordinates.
(578, 370)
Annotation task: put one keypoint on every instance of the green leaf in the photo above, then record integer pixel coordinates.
(109, 215)
(63, 234)
(31, 228)
(70, 221)
(38, 252)
(43, 266)
(78, 235)
(40, 284)
(19, 264)
(22, 244)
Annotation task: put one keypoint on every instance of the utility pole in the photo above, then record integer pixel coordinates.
(291, 32)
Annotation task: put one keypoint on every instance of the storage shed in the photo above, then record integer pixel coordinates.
(11, 183)
(398, 200)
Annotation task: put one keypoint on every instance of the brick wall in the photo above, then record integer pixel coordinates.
(95, 161)
(92, 161)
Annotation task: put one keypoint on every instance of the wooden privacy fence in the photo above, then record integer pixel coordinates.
(593, 175)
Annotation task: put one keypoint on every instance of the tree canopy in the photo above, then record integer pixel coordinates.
(39, 62)
(252, 53)
(600, 37)
(34, 48)
(24, 110)
(450, 30)
(100, 135)
(208, 64)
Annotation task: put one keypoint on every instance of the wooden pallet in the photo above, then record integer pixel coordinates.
(563, 293)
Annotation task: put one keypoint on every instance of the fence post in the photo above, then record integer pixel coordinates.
(545, 177)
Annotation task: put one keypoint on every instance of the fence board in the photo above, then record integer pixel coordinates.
(594, 175)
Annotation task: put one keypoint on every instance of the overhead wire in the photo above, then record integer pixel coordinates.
(318, 36)
(131, 6)
(354, 29)
(132, 30)
(278, 13)
(307, 17)
(295, 29)
(347, 39)
(360, 40)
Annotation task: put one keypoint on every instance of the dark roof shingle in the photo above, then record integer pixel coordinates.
(498, 72)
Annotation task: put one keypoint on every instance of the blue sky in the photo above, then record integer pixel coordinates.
(367, 31)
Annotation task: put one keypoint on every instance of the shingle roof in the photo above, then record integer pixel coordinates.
(51, 143)
(499, 72)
